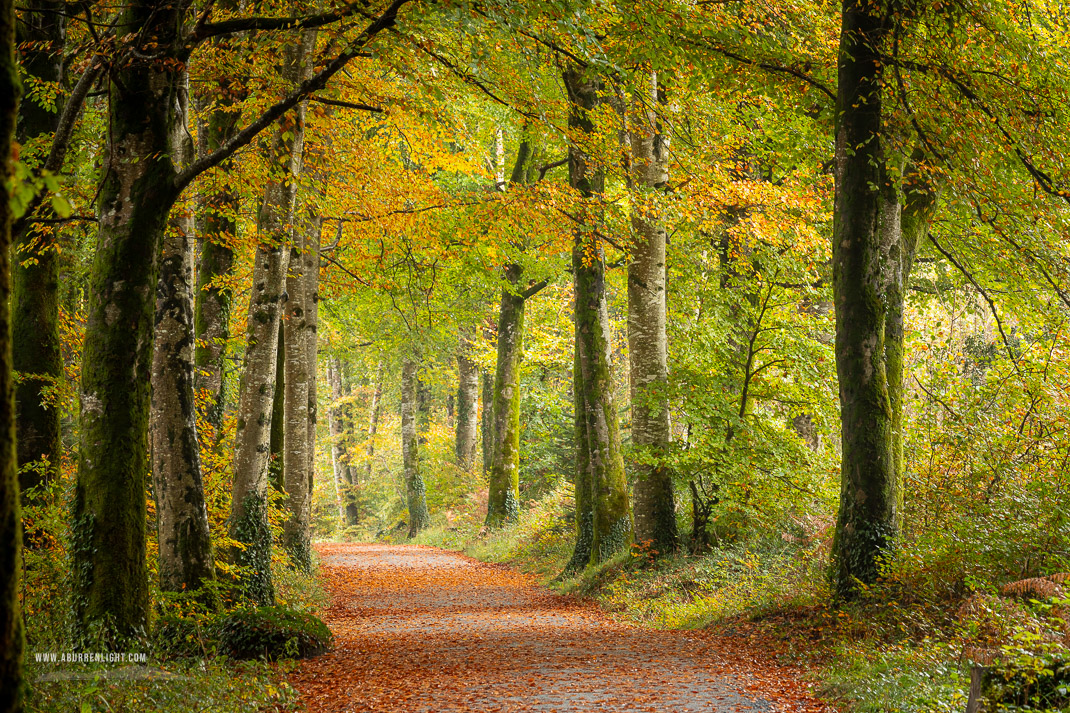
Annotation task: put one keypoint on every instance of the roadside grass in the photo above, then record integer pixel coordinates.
(162, 681)
(898, 649)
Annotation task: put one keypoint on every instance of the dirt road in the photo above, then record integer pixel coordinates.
(421, 629)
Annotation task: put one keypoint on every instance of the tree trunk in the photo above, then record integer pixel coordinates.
(485, 431)
(185, 559)
(410, 450)
(299, 327)
(503, 505)
(276, 436)
(35, 299)
(12, 685)
(612, 528)
(248, 522)
(334, 424)
(110, 581)
(581, 551)
(373, 428)
(873, 250)
(655, 507)
(467, 406)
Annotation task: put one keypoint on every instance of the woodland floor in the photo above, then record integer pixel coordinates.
(422, 629)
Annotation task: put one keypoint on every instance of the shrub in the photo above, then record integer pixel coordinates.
(272, 633)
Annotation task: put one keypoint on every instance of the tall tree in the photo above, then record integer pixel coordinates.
(874, 241)
(655, 507)
(42, 33)
(299, 327)
(12, 686)
(135, 196)
(374, 413)
(181, 516)
(256, 393)
(334, 427)
(467, 404)
(596, 414)
(503, 505)
(415, 490)
(140, 185)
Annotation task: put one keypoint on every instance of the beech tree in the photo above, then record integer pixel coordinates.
(648, 350)
(42, 34)
(258, 397)
(186, 561)
(415, 490)
(140, 186)
(603, 508)
(12, 689)
(874, 242)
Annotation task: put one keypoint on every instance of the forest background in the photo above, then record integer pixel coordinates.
(747, 312)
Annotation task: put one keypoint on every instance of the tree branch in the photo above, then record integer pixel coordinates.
(61, 140)
(315, 83)
(205, 30)
(348, 105)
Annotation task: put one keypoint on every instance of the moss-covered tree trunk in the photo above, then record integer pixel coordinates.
(415, 491)
(467, 433)
(12, 686)
(299, 327)
(874, 242)
(35, 299)
(612, 528)
(648, 344)
(185, 553)
(248, 521)
(503, 504)
(110, 593)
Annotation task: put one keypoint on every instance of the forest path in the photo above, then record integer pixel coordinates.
(422, 629)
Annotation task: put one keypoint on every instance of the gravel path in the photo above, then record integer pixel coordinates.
(421, 629)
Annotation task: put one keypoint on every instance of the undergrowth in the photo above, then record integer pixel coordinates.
(903, 647)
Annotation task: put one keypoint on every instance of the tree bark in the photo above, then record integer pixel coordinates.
(655, 506)
(300, 366)
(12, 642)
(110, 581)
(35, 298)
(874, 242)
(185, 559)
(373, 427)
(487, 418)
(334, 425)
(248, 522)
(584, 498)
(415, 490)
(612, 528)
(503, 505)
(276, 435)
(467, 406)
